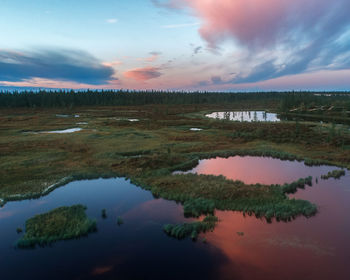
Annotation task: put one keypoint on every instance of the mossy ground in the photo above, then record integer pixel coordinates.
(161, 142)
(59, 224)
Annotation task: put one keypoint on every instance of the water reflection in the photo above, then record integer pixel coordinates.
(134, 250)
(241, 247)
(314, 248)
(252, 170)
(245, 116)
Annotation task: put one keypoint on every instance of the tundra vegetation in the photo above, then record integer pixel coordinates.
(161, 142)
(59, 224)
(182, 231)
(120, 221)
(336, 174)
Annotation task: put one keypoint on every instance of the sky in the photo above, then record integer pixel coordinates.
(221, 45)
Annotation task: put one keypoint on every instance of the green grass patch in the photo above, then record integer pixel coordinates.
(59, 224)
(182, 231)
(336, 174)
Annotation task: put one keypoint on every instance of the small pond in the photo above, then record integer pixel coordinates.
(264, 170)
(245, 116)
(69, 130)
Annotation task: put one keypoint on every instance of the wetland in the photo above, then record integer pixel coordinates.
(220, 199)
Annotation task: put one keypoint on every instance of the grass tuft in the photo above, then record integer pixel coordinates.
(336, 174)
(59, 224)
(185, 230)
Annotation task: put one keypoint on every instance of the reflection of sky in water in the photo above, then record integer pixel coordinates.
(70, 130)
(248, 116)
(140, 242)
(307, 248)
(314, 248)
(252, 170)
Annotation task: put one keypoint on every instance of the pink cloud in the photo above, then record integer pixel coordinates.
(153, 57)
(280, 37)
(260, 22)
(112, 63)
(143, 74)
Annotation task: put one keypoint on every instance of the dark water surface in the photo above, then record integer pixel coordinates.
(314, 248)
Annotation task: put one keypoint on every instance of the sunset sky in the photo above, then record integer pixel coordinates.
(176, 44)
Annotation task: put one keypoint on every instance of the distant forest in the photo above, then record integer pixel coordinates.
(70, 98)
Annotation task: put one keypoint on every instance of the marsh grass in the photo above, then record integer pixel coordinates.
(336, 174)
(120, 221)
(185, 230)
(59, 224)
(104, 214)
(294, 186)
(202, 194)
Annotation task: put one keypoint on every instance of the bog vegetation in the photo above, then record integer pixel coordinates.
(59, 224)
(182, 231)
(336, 174)
(148, 151)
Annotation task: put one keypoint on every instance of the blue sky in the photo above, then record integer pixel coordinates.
(176, 44)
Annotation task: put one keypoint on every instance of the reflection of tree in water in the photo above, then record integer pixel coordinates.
(265, 116)
(227, 116)
(217, 115)
(255, 116)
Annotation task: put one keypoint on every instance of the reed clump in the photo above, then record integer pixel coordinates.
(120, 221)
(336, 174)
(59, 224)
(185, 230)
(294, 186)
(104, 213)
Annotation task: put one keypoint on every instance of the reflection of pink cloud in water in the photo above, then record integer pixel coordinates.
(5, 214)
(102, 270)
(156, 209)
(314, 248)
(277, 251)
(253, 170)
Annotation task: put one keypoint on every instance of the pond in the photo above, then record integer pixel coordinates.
(62, 131)
(69, 130)
(241, 247)
(245, 116)
(264, 170)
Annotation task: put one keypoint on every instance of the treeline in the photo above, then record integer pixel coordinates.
(64, 98)
(303, 102)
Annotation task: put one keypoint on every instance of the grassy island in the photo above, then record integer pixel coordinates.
(182, 231)
(59, 224)
(336, 174)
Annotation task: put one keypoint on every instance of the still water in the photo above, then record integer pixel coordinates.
(245, 116)
(314, 248)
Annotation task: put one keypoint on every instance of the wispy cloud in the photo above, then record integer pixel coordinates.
(143, 74)
(112, 20)
(112, 63)
(180, 25)
(280, 37)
